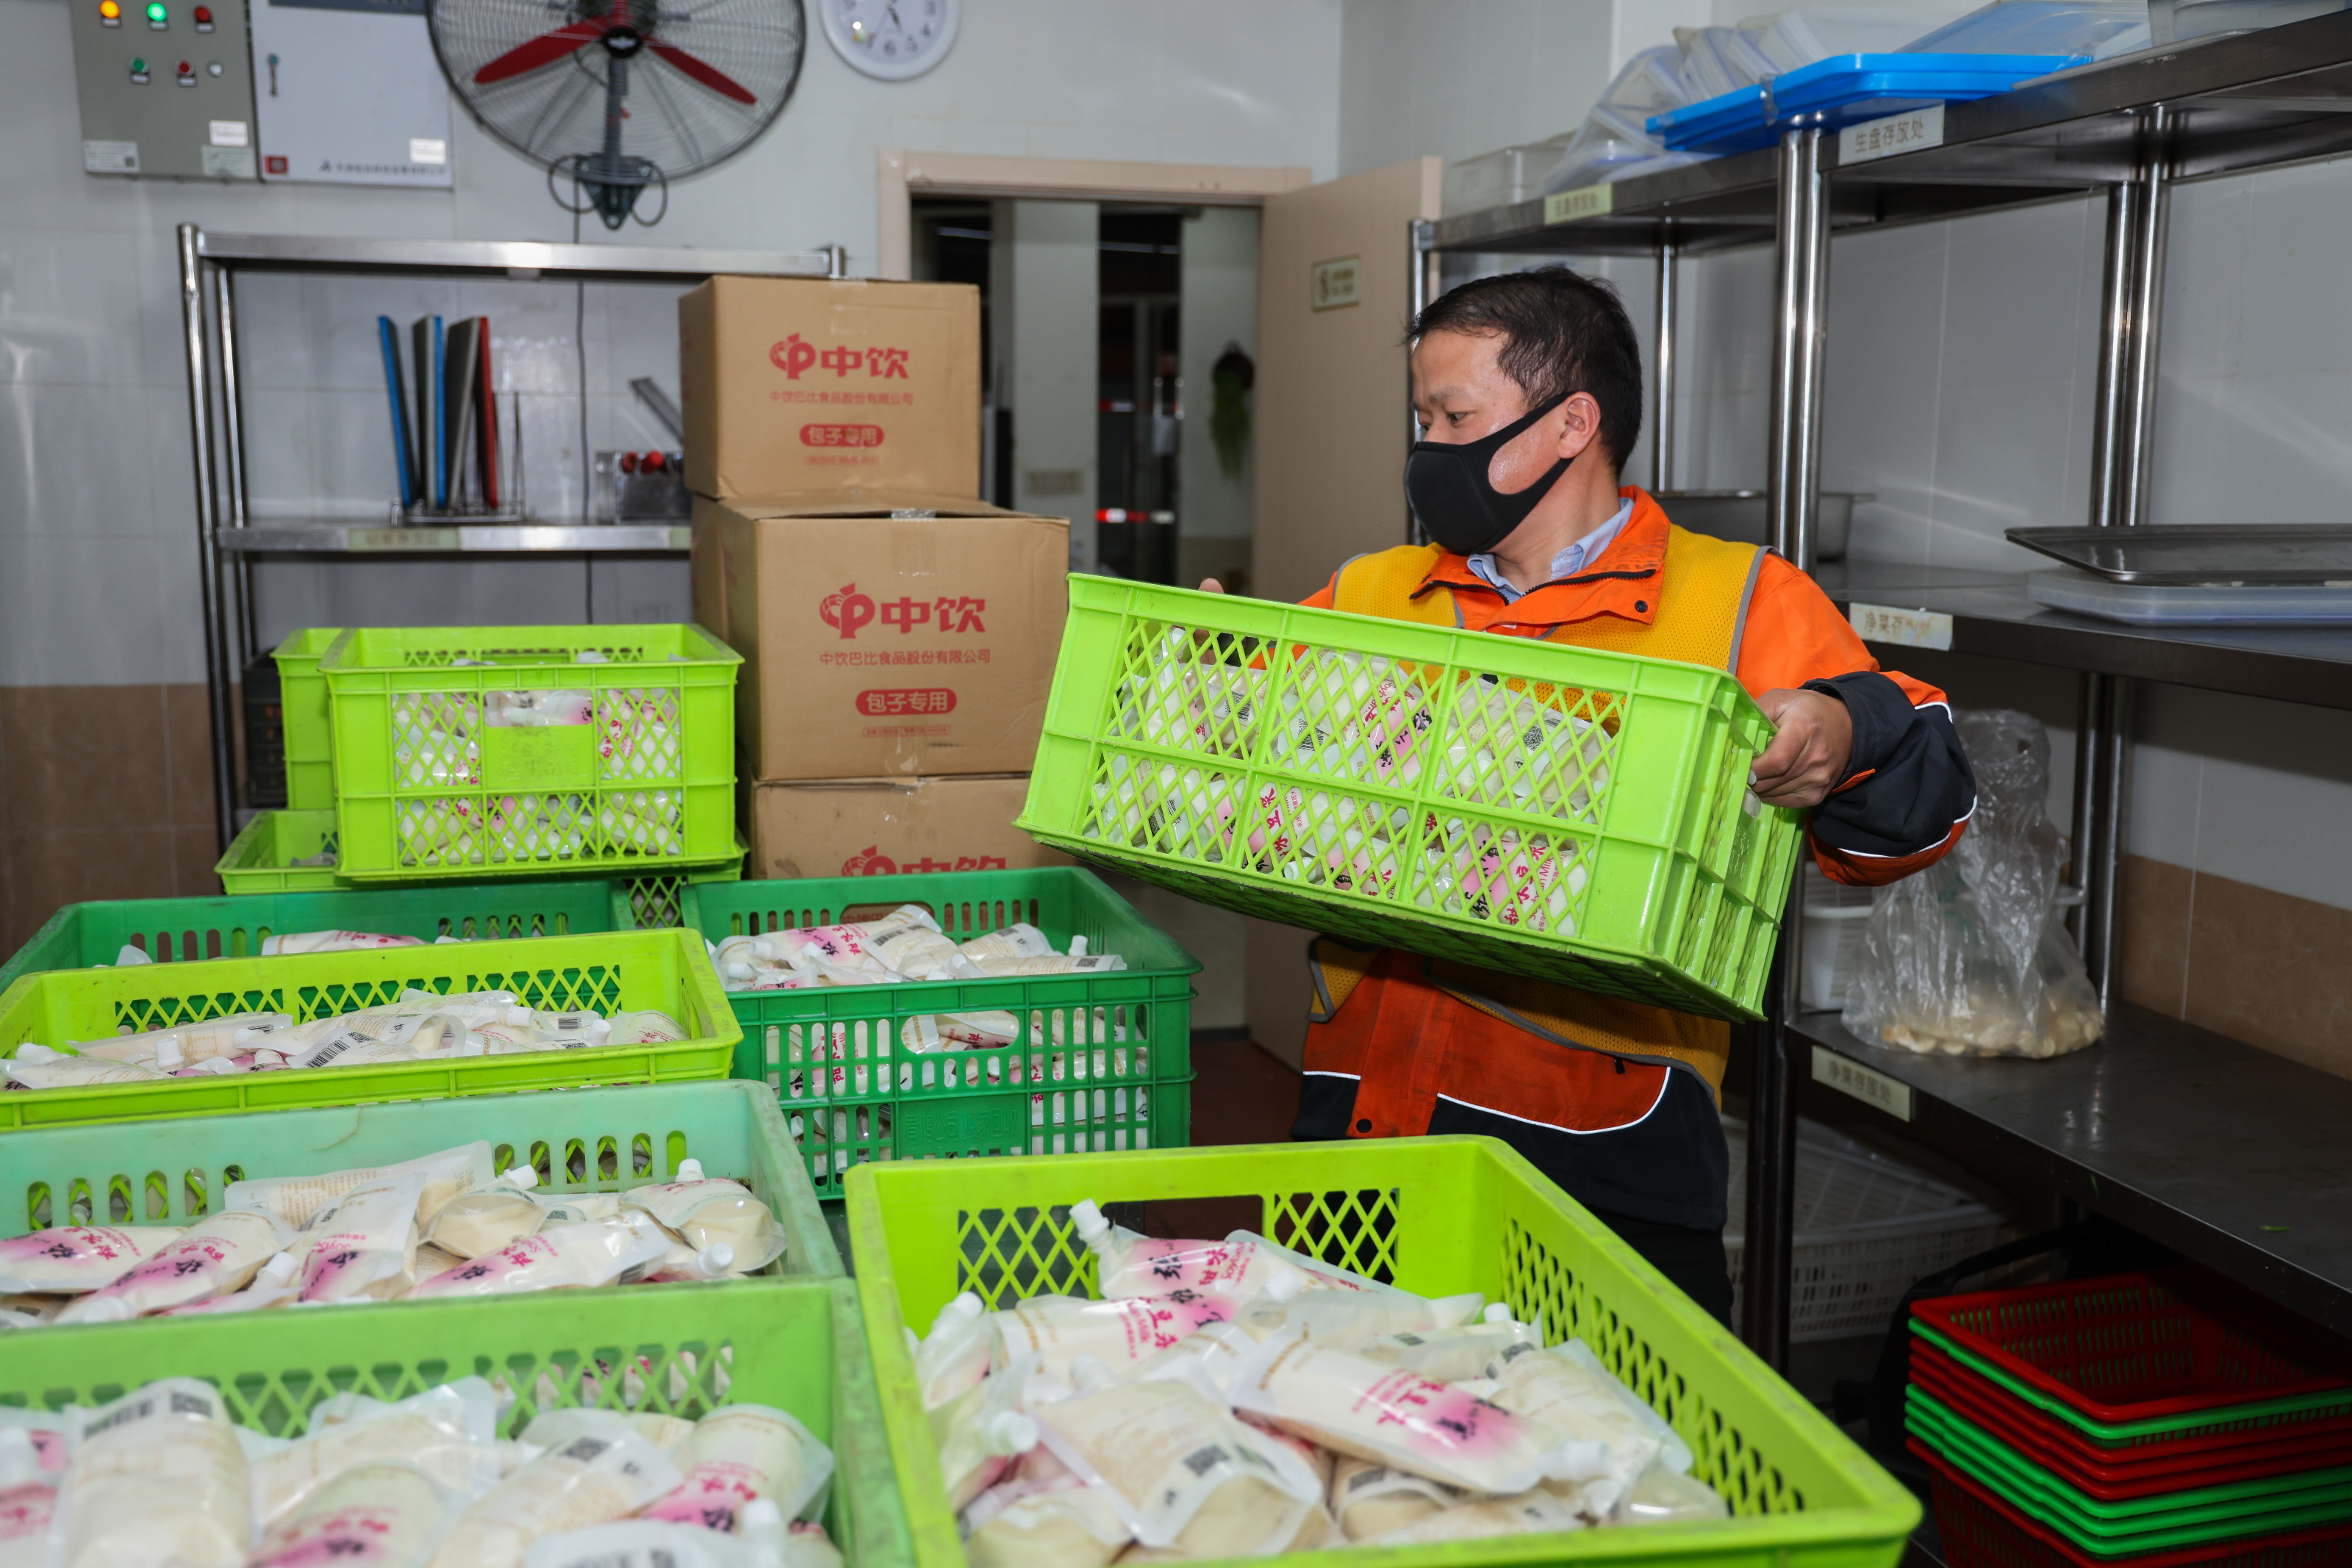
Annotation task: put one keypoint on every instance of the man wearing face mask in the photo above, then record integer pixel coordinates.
(1528, 391)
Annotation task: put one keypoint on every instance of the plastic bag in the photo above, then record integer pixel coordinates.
(1968, 957)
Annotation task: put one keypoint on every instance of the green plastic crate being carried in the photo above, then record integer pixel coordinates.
(669, 970)
(178, 930)
(1431, 1215)
(302, 700)
(1096, 1061)
(522, 751)
(1556, 811)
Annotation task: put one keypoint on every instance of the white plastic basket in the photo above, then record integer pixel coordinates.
(1868, 1227)
(1835, 918)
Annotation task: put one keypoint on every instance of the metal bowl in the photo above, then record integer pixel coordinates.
(1739, 516)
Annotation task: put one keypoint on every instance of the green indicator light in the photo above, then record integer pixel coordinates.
(156, 13)
(139, 67)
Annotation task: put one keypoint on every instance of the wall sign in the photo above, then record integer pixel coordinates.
(1334, 283)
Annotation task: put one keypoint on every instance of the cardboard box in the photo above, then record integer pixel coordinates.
(862, 827)
(808, 386)
(906, 635)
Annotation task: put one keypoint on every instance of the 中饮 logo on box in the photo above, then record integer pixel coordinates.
(848, 612)
(796, 355)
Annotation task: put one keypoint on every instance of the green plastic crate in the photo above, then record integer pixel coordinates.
(1329, 771)
(683, 1350)
(261, 858)
(427, 784)
(835, 1058)
(664, 969)
(1433, 1215)
(302, 700)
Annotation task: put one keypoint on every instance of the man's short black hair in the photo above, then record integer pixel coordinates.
(1563, 332)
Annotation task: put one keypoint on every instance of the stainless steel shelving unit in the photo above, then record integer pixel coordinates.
(2124, 1129)
(230, 540)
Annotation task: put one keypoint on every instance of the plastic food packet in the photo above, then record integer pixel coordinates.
(292, 1201)
(157, 1476)
(36, 1066)
(590, 1253)
(78, 1257)
(1322, 1276)
(920, 953)
(361, 1246)
(1530, 1513)
(1066, 1526)
(1061, 1329)
(291, 942)
(1017, 941)
(488, 1217)
(1371, 1499)
(1180, 1469)
(1453, 1356)
(1661, 1496)
(273, 1286)
(217, 1255)
(1206, 1358)
(644, 1027)
(740, 1453)
(954, 1356)
(1055, 964)
(44, 1430)
(704, 1209)
(766, 1541)
(445, 1433)
(980, 1432)
(194, 1042)
(1127, 1264)
(554, 1428)
(1406, 1422)
(1567, 1390)
(384, 1515)
(589, 1481)
(1345, 1318)
(29, 1499)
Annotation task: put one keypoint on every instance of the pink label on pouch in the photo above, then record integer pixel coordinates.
(1438, 1418)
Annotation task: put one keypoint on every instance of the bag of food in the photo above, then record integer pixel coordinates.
(1968, 957)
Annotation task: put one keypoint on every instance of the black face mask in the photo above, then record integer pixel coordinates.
(1449, 491)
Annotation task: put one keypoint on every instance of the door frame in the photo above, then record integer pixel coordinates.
(900, 175)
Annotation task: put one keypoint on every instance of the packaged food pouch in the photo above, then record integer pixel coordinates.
(921, 953)
(1021, 940)
(706, 1209)
(1453, 1356)
(591, 1479)
(1406, 1422)
(447, 1433)
(1661, 1496)
(537, 710)
(1055, 964)
(363, 1245)
(1206, 1358)
(1529, 1513)
(1180, 1469)
(1322, 1461)
(1371, 1499)
(684, 1263)
(1067, 1526)
(293, 1201)
(927, 1033)
(583, 1255)
(954, 1356)
(224, 1036)
(1345, 1318)
(1126, 1264)
(1061, 1329)
(274, 1286)
(1567, 1389)
(980, 1432)
(737, 1453)
(28, 1500)
(36, 1066)
(642, 1543)
(157, 1476)
(291, 942)
(489, 1216)
(553, 1429)
(219, 1254)
(44, 1430)
(575, 1207)
(383, 1515)
(646, 1026)
(1320, 1275)
(76, 1258)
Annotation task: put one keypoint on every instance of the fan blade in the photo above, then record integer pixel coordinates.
(543, 50)
(709, 75)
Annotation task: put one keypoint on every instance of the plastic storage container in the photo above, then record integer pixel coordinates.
(1732, 122)
(1101, 1062)
(177, 930)
(2092, 29)
(631, 969)
(1868, 1228)
(1495, 179)
(1434, 1214)
(1558, 811)
(1844, 88)
(2157, 604)
(517, 750)
(266, 856)
(310, 740)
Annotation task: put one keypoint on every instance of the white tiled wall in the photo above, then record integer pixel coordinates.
(96, 510)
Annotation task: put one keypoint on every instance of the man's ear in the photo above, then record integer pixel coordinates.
(1580, 427)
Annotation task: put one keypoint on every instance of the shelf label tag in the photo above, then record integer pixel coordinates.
(1584, 201)
(1909, 132)
(681, 538)
(399, 539)
(1904, 628)
(1866, 1084)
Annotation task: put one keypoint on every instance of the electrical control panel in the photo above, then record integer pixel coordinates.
(166, 88)
(321, 121)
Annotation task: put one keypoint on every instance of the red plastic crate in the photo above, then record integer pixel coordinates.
(1980, 1531)
(2143, 1347)
(2142, 1471)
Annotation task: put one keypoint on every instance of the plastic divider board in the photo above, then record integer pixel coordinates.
(492, 751)
(1098, 1061)
(2148, 1355)
(623, 969)
(682, 1350)
(177, 930)
(1979, 1530)
(302, 701)
(1734, 122)
(1843, 88)
(1433, 1215)
(1574, 815)
(261, 858)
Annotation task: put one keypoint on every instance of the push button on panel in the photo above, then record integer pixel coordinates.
(110, 14)
(139, 72)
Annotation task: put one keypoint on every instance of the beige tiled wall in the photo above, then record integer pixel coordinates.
(105, 792)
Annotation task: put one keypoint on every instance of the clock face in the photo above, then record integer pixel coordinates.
(892, 39)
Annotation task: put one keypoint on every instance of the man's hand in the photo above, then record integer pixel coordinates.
(1808, 759)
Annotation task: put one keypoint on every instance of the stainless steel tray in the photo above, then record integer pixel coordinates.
(2202, 553)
